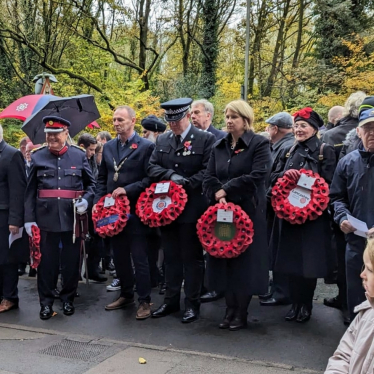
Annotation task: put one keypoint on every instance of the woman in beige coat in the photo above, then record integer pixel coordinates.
(355, 353)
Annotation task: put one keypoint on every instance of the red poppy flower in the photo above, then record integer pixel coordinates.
(134, 146)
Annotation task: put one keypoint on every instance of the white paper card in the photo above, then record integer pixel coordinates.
(160, 203)
(306, 182)
(360, 226)
(13, 237)
(108, 202)
(225, 215)
(299, 197)
(162, 188)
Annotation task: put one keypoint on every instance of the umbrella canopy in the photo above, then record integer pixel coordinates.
(93, 125)
(80, 111)
(25, 106)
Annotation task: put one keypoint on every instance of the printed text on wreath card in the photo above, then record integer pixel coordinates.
(299, 197)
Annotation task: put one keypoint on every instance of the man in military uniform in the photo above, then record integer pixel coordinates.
(60, 182)
(123, 171)
(182, 156)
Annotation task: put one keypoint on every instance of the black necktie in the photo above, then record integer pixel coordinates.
(178, 139)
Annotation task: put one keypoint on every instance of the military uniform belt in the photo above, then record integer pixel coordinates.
(64, 194)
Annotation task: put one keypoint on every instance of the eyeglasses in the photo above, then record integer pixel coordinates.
(302, 126)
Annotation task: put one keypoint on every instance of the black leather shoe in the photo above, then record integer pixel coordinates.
(239, 321)
(68, 308)
(333, 302)
(273, 302)
(304, 314)
(265, 296)
(211, 296)
(165, 310)
(225, 324)
(292, 313)
(46, 312)
(190, 315)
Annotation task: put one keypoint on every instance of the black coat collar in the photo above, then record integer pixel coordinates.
(312, 143)
(245, 139)
(191, 135)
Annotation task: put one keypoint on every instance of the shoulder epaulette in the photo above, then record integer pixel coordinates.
(37, 149)
(77, 146)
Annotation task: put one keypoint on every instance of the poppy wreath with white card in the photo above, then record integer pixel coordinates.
(225, 230)
(161, 203)
(297, 201)
(111, 215)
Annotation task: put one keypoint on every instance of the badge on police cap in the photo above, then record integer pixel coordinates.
(176, 109)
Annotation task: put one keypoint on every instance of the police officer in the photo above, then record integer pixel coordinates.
(60, 181)
(182, 156)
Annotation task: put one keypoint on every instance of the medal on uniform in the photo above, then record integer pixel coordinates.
(116, 169)
(187, 148)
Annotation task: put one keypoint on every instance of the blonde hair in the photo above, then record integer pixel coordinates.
(353, 103)
(244, 110)
(370, 250)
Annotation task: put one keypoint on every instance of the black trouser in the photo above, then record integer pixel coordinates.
(340, 253)
(354, 263)
(55, 258)
(154, 245)
(183, 260)
(302, 290)
(9, 282)
(132, 242)
(280, 289)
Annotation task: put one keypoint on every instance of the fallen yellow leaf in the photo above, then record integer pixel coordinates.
(142, 360)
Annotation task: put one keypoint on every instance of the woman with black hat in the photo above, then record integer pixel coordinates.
(303, 251)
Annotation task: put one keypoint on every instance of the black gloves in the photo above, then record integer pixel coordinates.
(178, 179)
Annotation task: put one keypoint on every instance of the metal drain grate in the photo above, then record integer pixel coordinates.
(74, 350)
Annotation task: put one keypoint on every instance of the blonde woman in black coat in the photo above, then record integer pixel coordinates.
(237, 171)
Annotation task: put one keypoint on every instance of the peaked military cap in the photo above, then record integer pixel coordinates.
(152, 123)
(55, 124)
(176, 109)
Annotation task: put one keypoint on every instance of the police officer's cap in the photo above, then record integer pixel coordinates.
(152, 123)
(176, 109)
(281, 119)
(55, 124)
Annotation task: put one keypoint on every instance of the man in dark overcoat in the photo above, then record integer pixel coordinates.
(182, 156)
(123, 171)
(59, 183)
(281, 138)
(12, 190)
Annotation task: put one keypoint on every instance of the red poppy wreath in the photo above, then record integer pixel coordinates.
(34, 241)
(110, 221)
(160, 209)
(296, 204)
(225, 240)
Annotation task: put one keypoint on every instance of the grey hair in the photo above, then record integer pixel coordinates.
(353, 103)
(1, 133)
(130, 111)
(208, 106)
